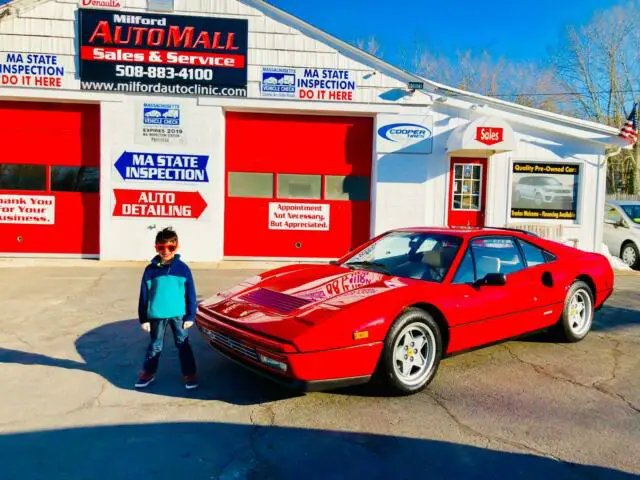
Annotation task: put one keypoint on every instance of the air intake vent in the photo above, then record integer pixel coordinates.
(279, 302)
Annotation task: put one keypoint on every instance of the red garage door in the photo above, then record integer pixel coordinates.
(49, 178)
(296, 185)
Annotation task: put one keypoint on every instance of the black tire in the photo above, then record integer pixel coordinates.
(570, 328)
(416, 320)
(635, 265)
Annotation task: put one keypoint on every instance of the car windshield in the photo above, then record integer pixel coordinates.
(633, 212)
(421, 256)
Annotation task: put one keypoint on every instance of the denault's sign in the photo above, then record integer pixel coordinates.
(164, 54)
(102, 3)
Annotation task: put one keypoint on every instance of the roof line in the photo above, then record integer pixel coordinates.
(408, 76)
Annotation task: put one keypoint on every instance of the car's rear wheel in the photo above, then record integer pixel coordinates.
(412, 352)
(578, 313)
(630, 255)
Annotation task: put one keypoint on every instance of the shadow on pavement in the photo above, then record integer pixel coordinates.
(226, 451)
(115, 352)
(221, 450)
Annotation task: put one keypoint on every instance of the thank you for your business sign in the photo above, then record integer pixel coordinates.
(162, 54)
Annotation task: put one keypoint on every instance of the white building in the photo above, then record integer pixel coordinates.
(331, 149)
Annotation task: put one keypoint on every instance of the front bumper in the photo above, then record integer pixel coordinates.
(306, 371)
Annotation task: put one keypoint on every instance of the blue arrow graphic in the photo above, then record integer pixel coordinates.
(163, 167)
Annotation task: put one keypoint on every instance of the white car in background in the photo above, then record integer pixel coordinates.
(622, 230)
(544, 190)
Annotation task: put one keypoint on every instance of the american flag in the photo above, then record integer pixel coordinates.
(629, 130)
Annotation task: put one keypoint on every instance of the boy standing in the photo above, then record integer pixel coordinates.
(167, 298)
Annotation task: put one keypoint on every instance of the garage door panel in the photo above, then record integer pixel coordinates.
(320, 171)
(49, 178)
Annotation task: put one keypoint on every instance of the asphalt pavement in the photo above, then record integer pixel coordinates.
(71, 347)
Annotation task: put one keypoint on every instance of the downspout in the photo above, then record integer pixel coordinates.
(598, 221)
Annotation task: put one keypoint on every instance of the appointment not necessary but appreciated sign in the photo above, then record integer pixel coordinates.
(298, 216)
(163, 54)
(163, 167)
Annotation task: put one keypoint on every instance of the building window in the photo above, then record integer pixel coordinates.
(347, 188)
(546, 191)
(250, 185)
(299, 186)
(467, 185)
(23, 177)
(75, 179)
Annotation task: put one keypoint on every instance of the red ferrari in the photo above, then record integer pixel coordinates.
(400, 303)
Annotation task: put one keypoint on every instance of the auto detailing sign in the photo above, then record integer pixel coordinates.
(30, 70)
(489, 135)
(27, 209)
(324, 84)
(405, 134)
(148, 203)
(298, 216)
(162, 54)
(163, 167)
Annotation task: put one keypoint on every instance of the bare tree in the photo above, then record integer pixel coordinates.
(598, 63)
(524, 83)
(371, 45)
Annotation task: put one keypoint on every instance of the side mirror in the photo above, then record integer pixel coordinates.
(620, 223)
(492, 280)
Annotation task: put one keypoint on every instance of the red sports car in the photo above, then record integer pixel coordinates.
(399, 303)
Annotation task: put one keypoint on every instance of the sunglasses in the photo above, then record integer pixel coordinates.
(163, 247)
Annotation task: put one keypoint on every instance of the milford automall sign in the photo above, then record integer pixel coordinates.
(149, 203)
(489, 135)
(163, 54)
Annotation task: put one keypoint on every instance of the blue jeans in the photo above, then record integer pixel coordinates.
(181, 339)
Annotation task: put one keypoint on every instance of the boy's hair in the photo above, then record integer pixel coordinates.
(167, 235)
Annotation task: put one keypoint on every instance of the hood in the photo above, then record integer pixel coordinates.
(286, 304)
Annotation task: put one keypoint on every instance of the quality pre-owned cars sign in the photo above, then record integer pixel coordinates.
(162, 54)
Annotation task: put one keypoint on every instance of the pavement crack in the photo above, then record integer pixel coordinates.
(488, 437)
(597, 386)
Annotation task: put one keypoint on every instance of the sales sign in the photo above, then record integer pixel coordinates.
(27, 209)
(298, 216)
(30, 70)
(163, 167)
(324, 84)
(149, 203)
(162, 54)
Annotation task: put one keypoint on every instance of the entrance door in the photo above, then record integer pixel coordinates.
(467, 181)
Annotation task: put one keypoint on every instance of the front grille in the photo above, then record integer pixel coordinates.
(232, 344)
(277, 301)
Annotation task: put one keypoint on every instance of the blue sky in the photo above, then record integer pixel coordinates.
(517, 29)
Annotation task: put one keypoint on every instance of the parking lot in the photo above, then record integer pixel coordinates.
(71, 347)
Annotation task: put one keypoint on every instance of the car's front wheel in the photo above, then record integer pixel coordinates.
(412, 352)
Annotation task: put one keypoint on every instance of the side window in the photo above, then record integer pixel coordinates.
(532, 254)
(612, 215)
(496, 255)
(465, 273)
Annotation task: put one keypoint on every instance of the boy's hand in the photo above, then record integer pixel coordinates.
(146, 327)
(187, 325)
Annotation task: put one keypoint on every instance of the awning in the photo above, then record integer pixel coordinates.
(481, 137)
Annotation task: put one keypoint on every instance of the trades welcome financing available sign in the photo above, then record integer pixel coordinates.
(163, 54)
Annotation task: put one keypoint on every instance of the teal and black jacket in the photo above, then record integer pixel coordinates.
(167, 291)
